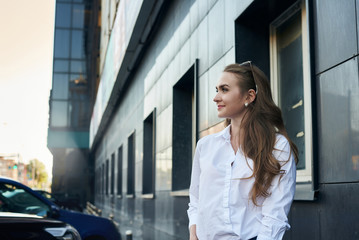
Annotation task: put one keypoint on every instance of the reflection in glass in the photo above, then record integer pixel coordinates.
(62, 43)
(61, 66)
(78, 15)
(77, 44)
(290, 76)
(60, 88)
(63, 15)
(78, 66)
(79, 114)
(58, 113)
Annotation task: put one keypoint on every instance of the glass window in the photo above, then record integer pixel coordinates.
(78, 15)
(290, 84)
(61, 66)
(107, 169)
(59, 113)
(119, 171)
(78, 66)
(63, 15)
(148, 174)
(19, 200)
(77, 44)
(131, 161)
(62, 43)
(291, 81)
(184, 130)
(60, 86)
(112, 174)
(79, 114)
(103, 179)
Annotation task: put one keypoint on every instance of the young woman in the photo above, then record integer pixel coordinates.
(243, 178)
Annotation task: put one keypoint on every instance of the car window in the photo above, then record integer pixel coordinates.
(17, 199)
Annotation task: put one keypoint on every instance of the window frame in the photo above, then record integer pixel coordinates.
(305, 175)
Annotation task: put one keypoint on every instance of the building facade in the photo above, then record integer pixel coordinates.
(159, 64)
(73, 91)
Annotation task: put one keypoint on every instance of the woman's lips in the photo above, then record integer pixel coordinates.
(220, 107)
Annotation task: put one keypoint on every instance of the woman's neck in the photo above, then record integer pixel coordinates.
(236, 134)
(235, 127)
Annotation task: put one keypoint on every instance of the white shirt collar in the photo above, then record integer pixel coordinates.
(225, 133)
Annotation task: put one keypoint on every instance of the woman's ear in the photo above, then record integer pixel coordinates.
(251, 95)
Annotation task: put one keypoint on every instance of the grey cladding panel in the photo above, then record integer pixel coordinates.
(338, 123)
(335, 32)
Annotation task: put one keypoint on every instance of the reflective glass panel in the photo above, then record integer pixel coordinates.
(78, 66)
(78, 87)
(77, 44)
(63, 15)
(79, 114)
(290, 76)
(62, 43)
(61, 66)
(78, 15)
(60, 86)
(59, 114)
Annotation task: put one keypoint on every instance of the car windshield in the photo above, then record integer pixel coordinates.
(17, 199)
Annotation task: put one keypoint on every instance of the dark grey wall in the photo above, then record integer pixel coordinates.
(334, 214)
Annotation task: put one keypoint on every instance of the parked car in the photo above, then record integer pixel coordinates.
(19, 226)
(62, 201)
(16, 197)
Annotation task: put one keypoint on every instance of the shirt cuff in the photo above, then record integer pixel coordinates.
(192, 220)
(272, 229)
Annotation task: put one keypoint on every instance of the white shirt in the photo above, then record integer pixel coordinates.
(220, 204)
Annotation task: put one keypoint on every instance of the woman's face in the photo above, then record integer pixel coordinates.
(229, 98)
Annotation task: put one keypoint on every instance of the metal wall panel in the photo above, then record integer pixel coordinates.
(203, 102)
(214, 74)
(335, 32)
(304, 221)
(216, 32)
(339, 123)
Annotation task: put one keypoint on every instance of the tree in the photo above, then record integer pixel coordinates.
(37, 173)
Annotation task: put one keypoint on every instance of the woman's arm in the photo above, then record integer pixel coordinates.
(276, 207)
(192, 233)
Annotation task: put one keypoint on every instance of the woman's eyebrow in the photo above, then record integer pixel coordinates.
(222, 85)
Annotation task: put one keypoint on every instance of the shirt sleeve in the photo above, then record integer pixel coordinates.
(194, 188)
(276, 207)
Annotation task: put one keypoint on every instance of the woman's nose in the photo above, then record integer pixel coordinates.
(216, 98)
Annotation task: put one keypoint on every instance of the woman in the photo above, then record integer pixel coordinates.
(243, 178)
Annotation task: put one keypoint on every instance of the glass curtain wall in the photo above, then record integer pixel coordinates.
(70, 90)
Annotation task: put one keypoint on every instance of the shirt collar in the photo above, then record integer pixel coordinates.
(225, 133)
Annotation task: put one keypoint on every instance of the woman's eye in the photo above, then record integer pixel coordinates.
(224, 90)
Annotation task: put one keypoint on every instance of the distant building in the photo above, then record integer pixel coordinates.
(74, 85)
(160, 61)
(9, 167)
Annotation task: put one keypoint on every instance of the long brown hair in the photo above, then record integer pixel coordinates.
(260, 124)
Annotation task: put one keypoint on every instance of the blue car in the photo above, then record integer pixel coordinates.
(16, 197)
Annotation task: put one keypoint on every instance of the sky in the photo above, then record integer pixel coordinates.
(26, 53)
